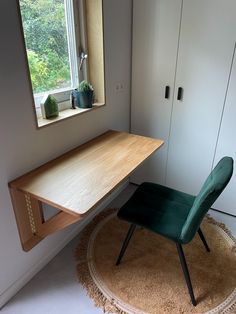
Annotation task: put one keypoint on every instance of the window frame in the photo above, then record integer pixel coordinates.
(77, 36)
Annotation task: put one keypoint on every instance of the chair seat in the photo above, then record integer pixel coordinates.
(159, 209)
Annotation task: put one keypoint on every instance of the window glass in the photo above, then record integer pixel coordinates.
(45, 31)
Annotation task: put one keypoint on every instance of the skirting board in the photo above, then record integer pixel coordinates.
(22, 281)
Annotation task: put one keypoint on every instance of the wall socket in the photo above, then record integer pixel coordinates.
(119, 87)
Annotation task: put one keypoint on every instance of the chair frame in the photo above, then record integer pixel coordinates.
(180, 253)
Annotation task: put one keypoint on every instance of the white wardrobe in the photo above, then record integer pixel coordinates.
(182, 89)
(227, 144)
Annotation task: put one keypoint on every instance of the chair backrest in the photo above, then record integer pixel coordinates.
(212, 188)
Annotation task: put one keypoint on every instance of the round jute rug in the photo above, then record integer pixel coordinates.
(149, 278)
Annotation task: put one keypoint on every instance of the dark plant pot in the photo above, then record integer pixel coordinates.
(85, 99)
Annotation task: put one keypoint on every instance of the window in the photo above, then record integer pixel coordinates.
(60, 37)
(52, 50)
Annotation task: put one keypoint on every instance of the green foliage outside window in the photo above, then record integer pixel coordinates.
(46, 42)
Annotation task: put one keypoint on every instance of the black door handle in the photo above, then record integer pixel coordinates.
(167, 92)
(180, 93)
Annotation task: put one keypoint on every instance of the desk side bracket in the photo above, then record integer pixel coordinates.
(30, 219)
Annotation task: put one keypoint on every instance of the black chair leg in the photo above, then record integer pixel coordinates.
(126, 242)
(186, 272)
(203, 239)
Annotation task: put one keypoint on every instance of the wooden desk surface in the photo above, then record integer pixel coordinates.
(79, 180)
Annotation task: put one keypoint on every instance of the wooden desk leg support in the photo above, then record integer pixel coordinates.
(30, 221)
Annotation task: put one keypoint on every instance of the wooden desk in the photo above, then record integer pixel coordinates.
(76, 182)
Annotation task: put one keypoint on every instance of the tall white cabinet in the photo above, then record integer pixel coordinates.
(187, 46)
(226, 145)
(155, 43)
(207, 38)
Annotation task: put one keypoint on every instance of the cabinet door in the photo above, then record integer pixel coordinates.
(207, 38)
(227, 145)
(155, 41)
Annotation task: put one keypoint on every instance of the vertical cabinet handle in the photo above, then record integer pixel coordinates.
(167, 92)
(180, 93)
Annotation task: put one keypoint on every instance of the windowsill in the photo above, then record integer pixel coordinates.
(66, 114)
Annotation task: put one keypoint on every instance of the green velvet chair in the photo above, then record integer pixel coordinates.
(174, 214)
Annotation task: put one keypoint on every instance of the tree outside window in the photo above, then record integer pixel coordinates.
(45, 33)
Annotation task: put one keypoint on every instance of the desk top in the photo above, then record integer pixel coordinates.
(79, 180)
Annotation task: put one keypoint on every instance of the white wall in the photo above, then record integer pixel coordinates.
(23, 147)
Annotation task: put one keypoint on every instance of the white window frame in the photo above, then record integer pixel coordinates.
(71, 41)
(76, 38)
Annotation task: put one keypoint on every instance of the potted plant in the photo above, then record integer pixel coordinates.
(85, 95)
